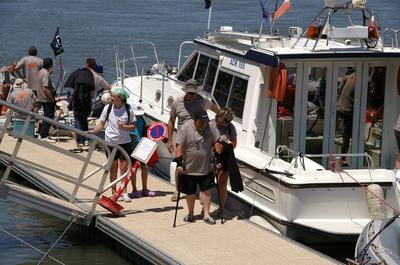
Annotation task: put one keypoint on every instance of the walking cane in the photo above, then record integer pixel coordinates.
(219, 196)
(179, 197)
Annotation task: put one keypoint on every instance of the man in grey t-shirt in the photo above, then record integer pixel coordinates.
(183, 109)
(22, 96)
(194, 145)
(31, 65)
(45, 95)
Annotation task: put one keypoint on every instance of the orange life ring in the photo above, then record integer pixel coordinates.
(279, 91)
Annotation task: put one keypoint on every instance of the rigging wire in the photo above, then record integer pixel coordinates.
(29, 245)
(55, 243)
(366, 189)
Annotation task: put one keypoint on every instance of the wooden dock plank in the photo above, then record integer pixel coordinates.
(235, 242)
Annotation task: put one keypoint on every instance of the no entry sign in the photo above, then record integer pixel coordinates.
(157, 131)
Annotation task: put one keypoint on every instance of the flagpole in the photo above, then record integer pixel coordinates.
(261, 26)
(209, 19)
(273, 16)
(61, 74)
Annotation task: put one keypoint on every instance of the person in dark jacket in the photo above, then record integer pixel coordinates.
(82, 81)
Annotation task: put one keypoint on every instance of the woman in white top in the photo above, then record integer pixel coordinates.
(117, 131)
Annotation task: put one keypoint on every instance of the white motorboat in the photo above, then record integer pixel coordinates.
(379, 242)
(284, 91)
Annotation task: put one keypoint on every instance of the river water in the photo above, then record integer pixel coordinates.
(94, 28)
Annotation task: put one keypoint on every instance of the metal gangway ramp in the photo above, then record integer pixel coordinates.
(78, 171)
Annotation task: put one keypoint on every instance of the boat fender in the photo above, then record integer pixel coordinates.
(279, 90)
(376, 207)
(263, 223)
(172, 169)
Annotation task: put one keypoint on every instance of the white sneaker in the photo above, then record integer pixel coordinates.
(126, 198)
(47, 139)
(119, 199)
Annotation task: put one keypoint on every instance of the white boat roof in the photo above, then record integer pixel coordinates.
(266, 49)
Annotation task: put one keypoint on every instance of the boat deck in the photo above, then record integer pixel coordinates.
(146, 226)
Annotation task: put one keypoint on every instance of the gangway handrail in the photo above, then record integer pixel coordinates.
(110, 149)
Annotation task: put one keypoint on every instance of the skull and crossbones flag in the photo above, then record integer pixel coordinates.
(56, 43)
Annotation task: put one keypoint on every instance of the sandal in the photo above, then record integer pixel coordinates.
(189, 218)
(76, 150)
(135, 194)
(148, 193)
(209, 220)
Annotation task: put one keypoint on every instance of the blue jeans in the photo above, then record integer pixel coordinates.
(49, 109)
(81, 123)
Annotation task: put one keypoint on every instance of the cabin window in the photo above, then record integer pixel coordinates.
(374, 113)
(231, 91)
(205, 73)
(285, 111)
(188, 69)
(315, 110)
(345, 111)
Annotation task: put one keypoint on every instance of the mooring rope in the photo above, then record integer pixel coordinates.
(29, 245)
(366, 189)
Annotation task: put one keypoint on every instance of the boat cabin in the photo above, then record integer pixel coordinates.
(328, 92)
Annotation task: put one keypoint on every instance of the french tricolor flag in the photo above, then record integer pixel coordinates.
(372, 23)
(282, 9)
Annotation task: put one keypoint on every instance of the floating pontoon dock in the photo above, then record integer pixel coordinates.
(74, 182)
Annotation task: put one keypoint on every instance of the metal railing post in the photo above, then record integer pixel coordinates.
(162, 94)
(141, 84)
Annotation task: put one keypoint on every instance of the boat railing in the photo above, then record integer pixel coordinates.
(335, 158)
(121, 60)
(395, 36)
(180, 52)
(322, 31)
(89, 168)
(158, 69)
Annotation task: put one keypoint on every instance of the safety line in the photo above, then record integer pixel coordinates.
(29, 245)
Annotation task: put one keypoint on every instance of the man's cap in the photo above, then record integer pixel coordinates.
(19, 83)
(106, 97)
(202, 115)
(191, 86)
